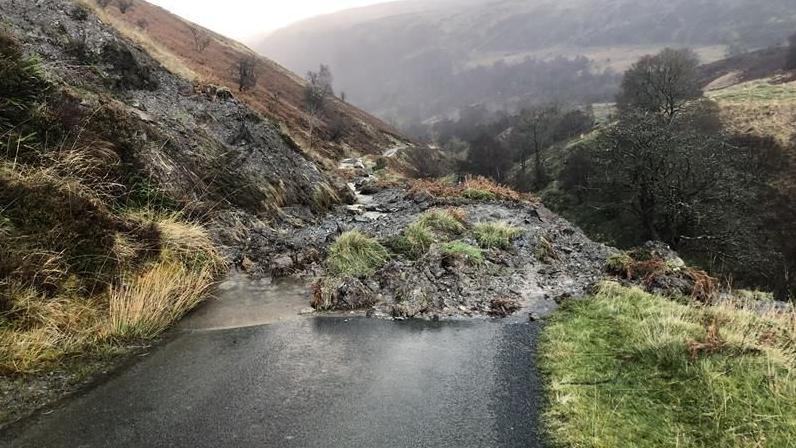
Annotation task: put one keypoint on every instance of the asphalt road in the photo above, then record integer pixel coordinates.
(315, 382)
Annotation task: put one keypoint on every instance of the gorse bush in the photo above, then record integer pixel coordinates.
(355, 254)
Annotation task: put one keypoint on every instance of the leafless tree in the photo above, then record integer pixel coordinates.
(316, 93)
(201, 39)
(536, 132)
(662, 83)
(124, 5)
(791, 63)
(245, 72)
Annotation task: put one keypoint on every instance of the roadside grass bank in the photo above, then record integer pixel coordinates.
(627, 368)
(94, 260)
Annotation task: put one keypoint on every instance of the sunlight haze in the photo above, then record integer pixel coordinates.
(242, 19)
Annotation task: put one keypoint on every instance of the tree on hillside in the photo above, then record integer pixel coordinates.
(316, 94)
(537, 130)
(245, 72)
(488, 157)
(661, 83)
(319, 88)
(664, 172)
(791, 62)
(201, 39)
(124, 5)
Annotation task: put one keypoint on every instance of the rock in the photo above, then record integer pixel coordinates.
(282, 265)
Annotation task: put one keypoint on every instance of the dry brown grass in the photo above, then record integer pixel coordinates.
(150, 302)
(39, 331)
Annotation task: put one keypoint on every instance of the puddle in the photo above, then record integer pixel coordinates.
(242, 302)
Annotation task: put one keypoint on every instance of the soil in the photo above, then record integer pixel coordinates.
(436, 286)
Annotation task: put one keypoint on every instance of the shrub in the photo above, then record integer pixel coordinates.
(460, 249)
(496, 235)
(355, 254)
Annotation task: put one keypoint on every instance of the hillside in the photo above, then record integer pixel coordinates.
(128, 188)
(278, 94)
(390, 58)
(754, 93)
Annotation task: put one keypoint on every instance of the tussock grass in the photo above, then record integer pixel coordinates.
(39, 330)
(496, 235)
(473, 255)
(431, 227)
(626, 368)
(443, 221)
(324, 198)
(416, 239)
(475, 188)
(355, 254)
(154, 299)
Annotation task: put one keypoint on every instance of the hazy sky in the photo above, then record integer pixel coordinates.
(241, 19)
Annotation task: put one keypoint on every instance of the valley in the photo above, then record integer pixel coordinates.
(199, 247)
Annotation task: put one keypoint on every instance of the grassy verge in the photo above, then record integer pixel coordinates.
(626, 368)
(84, 270)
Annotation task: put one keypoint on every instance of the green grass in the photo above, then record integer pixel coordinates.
(496, 235)
(415, 240)
(762, 90)
(625, 368)
(443, 221)
(470, 253)
(477, 194)
(355, 254)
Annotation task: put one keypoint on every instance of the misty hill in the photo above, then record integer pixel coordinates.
(412, 60)
(278, 93)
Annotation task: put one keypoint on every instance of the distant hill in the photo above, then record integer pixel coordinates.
(412, 60)
(278, 95)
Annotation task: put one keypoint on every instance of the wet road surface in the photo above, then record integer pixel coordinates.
(314, 382)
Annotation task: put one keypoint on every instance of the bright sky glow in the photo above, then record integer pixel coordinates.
(243, 19)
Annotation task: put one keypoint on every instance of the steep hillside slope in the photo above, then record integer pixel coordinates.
(755, 94)
(126, 192)
(278, 94)
(428, 42)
